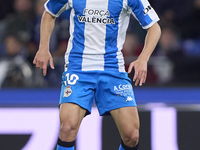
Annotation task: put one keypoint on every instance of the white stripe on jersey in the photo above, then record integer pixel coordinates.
(94, 39)
(120, 61)
(69, 47)
(93, 62)
(123, 25)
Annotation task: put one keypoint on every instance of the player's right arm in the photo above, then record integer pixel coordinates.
(43, 56)
(53, 8)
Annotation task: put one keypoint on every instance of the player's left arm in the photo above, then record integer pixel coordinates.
(140, 65)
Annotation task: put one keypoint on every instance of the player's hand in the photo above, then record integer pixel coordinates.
(41, 60)
(140, 74)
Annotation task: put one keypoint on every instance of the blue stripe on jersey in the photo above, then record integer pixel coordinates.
(111, 61)
(137, 8)
(54, 6)
(75, 56)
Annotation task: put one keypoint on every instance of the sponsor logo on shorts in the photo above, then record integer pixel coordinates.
(122, 87)
(123, 90)
(129, 99)
(67, 92)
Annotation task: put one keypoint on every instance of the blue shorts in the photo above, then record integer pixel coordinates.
(111, 90)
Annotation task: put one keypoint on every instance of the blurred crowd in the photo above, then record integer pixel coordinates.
(175, 61)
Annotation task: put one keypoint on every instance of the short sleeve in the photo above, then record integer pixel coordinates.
(56, 7)
(143, 12)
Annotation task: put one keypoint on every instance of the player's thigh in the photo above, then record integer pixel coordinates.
(71, 114)
(126, 119)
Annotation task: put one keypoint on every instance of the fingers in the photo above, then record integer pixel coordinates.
(41, 61)
(135, 75)
(130, 67)
(45, 66)
(34, 61)
(42, 65)
(140, 73)
(143, 77)
(140, 77)
(51, 63)
(37, 63)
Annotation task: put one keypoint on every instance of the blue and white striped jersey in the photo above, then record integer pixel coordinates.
(98, 30)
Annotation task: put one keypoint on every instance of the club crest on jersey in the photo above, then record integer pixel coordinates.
(96, 16)
(67, 91)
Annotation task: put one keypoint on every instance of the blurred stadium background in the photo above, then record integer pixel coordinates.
(168, 103)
